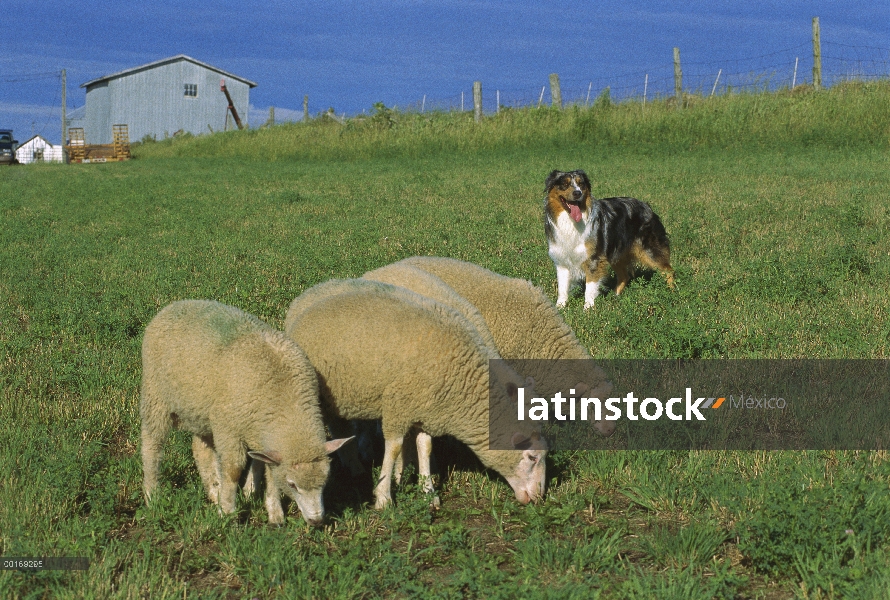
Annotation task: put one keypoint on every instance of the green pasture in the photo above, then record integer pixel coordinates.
(778, 213)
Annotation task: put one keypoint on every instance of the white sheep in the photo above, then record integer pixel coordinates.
(241, 388)
(426, 284)
(384, 352)
(524, 324)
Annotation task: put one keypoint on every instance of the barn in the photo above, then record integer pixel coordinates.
(159, 99)
(37, 149)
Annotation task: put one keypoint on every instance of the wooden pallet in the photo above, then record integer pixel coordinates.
(121, 144)
(81, 152)
(77, 145)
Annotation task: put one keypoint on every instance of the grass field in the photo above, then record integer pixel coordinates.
(779, 227)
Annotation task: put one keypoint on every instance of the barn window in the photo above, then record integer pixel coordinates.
(191, 90)
(37, 155)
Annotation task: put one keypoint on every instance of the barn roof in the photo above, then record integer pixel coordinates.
(165, 61)
(35, 137)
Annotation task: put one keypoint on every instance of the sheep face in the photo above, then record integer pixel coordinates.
(302, 481)
(525, 470)
(530, 472)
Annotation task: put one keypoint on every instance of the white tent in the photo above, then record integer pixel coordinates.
(37, 149)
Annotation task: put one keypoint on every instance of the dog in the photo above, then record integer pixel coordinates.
(585, 236)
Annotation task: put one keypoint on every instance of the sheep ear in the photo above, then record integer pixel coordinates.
(334, 445)
(269, 457)
(581, 388)
(521, 441)
(530, 382)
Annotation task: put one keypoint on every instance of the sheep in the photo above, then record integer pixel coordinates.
(242, 389)
(522, 321)
(384, 352)
(426, 284)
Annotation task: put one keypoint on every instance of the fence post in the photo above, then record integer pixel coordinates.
(306, 108)
(714, 89)
(678, 75)
(64, 117)
(477, 100)
(817, 55)
(555, 93)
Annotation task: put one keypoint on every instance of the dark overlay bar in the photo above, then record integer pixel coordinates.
(741, 404)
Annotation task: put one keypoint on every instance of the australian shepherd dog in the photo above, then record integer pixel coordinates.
(585, 236)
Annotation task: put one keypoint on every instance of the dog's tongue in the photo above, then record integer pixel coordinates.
(574, 211)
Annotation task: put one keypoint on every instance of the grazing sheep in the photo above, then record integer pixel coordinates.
(383, 352)
(523, 322)
(242, 388)
(426, 284)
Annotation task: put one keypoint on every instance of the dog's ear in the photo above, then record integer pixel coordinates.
(551, 179)
(584, 178)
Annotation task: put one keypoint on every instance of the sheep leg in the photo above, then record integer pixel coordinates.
(155, 429)
(254, 476)
(273, 497)
(399, 468)
(231, 460)
(424, 450)
(382, 492)
(205, 458)
(406, 456)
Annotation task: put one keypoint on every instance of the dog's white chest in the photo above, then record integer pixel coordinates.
(567, 247)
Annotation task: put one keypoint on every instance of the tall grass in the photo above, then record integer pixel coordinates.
(851, 114)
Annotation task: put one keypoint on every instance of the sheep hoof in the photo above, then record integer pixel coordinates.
(381, 503)
(435, 503)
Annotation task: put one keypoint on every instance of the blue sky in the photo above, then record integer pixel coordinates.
(350, 54)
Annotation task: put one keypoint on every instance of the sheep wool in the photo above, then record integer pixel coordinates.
(241, 388)
(427, 284)
(523, 322)
(384, 352)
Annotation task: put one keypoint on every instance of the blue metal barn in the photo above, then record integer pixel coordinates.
(176, 94)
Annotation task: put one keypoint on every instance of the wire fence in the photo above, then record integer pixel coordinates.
(780, 69)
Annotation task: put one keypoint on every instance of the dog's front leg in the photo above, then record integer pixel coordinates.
(595, 271)
(563, 280)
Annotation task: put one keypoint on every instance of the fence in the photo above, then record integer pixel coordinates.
(768, 72)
